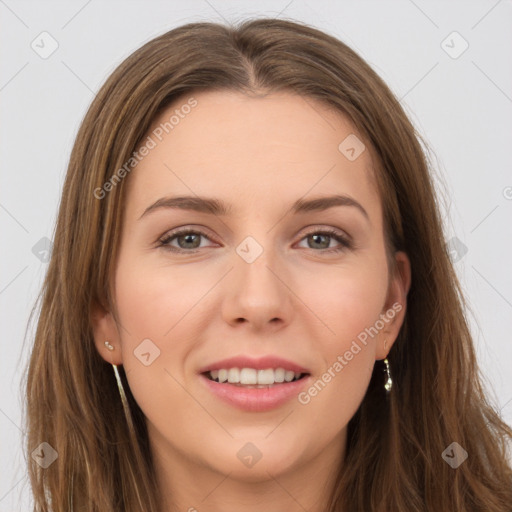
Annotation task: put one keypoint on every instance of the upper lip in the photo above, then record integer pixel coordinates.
(259, 363)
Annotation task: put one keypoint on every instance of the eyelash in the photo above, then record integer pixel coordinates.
(345, 243)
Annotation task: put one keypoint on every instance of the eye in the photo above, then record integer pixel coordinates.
(189, 240)
(319, 238)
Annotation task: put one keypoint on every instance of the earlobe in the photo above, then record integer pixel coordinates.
(106, 335)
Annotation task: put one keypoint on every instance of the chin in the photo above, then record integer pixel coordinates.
(256, 460)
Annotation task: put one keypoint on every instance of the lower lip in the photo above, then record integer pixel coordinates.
(256, 399)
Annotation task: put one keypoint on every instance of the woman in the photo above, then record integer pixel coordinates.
(309, 349)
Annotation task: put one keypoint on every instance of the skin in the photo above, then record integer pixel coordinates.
(259, 154)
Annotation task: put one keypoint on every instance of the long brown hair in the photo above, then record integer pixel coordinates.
(394, 458)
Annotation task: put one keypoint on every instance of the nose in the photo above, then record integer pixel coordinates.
(257, 291)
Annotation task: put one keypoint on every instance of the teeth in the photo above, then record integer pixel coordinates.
(288, 376)
(279, 375)
(233, 375)
(251, 376)
(266, 376)
(248, 376)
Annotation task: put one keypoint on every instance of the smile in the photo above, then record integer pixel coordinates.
(255, 397)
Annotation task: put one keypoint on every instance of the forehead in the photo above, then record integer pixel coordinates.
(251, 152)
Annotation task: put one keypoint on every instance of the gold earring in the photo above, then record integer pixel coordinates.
(126, 407)
(389, 382)
(124, 400)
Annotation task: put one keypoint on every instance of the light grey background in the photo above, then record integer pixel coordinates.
(461, 105)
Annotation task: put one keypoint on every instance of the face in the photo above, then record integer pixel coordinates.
(262, 279)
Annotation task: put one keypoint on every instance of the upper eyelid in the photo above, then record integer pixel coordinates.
(185, 230)
(204, 232)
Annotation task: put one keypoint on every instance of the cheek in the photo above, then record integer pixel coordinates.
(152, 310)
(155, 338)
(153, 301)
(349, 302)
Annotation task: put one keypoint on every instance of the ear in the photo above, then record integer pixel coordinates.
(105, 329)
(393, 313)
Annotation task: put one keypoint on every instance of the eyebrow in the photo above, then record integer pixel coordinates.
(220, 208)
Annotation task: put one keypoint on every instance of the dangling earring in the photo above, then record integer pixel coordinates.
(389, 383)
(126, 407)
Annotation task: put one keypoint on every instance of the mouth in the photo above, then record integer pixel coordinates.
(251, 378)
(254, 390)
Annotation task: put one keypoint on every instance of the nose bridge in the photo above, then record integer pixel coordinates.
(257, 292)
(254, 263)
